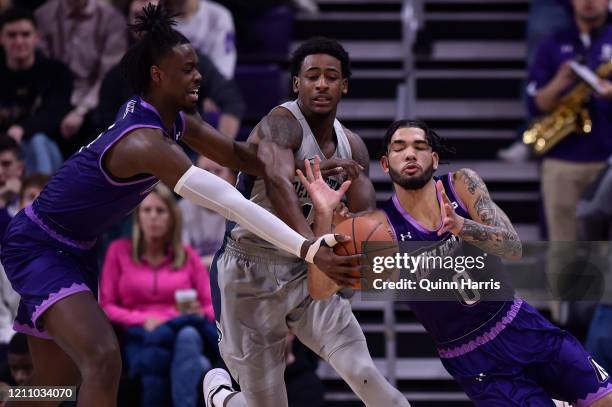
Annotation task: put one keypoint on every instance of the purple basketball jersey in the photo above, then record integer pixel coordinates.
(82, 199)
(450, 323)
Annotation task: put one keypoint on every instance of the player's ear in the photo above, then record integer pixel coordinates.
(155, 74)
(384, 163)
(436, 160)
(344, 86)
(296, 84)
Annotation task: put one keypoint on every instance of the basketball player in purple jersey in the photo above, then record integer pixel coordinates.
(49, 249)
(503, 353)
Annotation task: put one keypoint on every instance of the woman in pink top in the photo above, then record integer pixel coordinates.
(140, 279)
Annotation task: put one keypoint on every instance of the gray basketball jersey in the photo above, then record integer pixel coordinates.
(254, 188)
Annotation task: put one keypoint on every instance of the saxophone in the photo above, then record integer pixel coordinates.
(571, 116)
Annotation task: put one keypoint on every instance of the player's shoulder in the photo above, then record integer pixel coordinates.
(120, 246)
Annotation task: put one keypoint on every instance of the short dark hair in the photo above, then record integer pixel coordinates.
(17, 14)
(320, 45)
(156, 24)
(436, 142)
(18, 345)
(36, 179)
(9, 144)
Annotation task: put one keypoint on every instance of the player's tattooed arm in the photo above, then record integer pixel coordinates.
(490, 229)
(361, 195)
(279, 135)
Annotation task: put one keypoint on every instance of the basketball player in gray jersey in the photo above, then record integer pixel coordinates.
(259, 293)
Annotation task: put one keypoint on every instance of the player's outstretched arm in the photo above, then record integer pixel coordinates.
(147, 151)
(206, 140)
(325, 199)
(490, 229)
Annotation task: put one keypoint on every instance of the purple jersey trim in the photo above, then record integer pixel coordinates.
(392, 227)
(83, 245)
(154, 110)
(28, 330)
(593, 397)
(486, 337)
(413, 221)
(126, 131)
(55, 297)
(457, 198)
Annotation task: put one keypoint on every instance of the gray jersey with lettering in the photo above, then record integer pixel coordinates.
(253, 187)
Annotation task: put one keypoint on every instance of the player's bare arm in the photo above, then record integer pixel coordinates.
(279, 135)
(361, 195)
(206, 140)
(491, 229)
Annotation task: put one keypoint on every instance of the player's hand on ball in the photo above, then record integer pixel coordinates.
(323, 197)
(343, 270)
(451, 222)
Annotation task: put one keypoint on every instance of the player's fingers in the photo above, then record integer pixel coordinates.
(344, 187)
(302, 178)
(317, 167)
(308, 169)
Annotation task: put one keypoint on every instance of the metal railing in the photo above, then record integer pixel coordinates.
(412, 20)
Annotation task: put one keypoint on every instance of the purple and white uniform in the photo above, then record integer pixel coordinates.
(503, 353)
(49, 250)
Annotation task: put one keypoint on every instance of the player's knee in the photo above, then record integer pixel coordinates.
(103, 362)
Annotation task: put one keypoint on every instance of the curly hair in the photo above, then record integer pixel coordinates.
(157, 37)
(320, 45)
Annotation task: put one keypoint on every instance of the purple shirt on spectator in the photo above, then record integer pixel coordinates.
(552, 52)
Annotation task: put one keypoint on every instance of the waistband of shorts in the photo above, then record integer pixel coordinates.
(36, 218)
(256, 253)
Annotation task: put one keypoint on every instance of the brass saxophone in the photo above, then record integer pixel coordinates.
(571, 116)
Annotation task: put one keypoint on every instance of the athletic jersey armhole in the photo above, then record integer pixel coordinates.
(111, 179)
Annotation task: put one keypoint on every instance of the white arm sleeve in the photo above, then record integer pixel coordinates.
(210, 191)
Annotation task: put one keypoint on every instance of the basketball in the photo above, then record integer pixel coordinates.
(368, 236)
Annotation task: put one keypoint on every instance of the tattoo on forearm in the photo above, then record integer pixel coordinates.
(495, 235)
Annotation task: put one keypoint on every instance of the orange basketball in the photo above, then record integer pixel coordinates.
(365, 234)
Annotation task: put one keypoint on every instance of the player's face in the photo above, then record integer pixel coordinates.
(19, 40)
(590, 10)
(320, 84)
(154, 217)
(178, 76)
(410, 160)
(21, 368)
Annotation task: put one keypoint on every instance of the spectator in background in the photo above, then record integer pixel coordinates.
(19, 360)
(209, 27)
(9, 299)
(11, 171)
(89, 36)
(223, 92)
(140, 279)
(29, 188)
(545, 18)
(34, 92)
(204, 229)
(569, 167)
